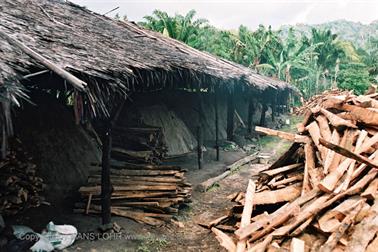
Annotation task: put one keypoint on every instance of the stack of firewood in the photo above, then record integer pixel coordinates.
(321, 195)
(139, 144)
(20, 188)
(146, 193)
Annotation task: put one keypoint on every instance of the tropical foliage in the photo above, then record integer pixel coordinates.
(313, 62)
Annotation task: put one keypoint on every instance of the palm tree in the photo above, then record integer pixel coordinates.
(183, 28)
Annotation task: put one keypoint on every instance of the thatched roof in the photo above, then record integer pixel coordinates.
(113, 57)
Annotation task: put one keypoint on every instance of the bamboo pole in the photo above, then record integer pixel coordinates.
(77, 83)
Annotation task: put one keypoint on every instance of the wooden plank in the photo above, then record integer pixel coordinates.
(247, 213)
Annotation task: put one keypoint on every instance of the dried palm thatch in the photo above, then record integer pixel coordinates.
(113, 57)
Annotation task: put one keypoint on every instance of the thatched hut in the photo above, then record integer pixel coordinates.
(74, 65)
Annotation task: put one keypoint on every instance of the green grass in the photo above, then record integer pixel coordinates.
(271, 142)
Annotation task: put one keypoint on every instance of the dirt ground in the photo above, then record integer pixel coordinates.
(205, 207)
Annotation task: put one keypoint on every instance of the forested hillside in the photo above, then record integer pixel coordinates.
(355, 32)
(313, 58)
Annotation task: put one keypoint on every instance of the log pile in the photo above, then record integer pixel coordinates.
(322, 194)
(20, 187)
(139, 144)
(146, 193)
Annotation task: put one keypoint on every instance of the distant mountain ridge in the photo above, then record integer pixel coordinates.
(355, 32)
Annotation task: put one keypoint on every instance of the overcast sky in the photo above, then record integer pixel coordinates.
(230, 14)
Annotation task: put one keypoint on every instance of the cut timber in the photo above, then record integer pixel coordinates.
(283, 169)
(297, 245)
(79, 84)
(330, 162)
(365, 231)
(309, 167)
(373, 245)
(291, 211)
(372, 191)
(337, 121)
(330, 221)
(282, 195)
(348, 153)
(332, 241)
(224, 240)
(204, 186)
(314, 131)
(242, 161)
(284, 135)
(247, 213)
(325, 131)
(366, 102)
(363, 115)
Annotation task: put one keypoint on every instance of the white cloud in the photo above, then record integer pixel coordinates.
(230, 14)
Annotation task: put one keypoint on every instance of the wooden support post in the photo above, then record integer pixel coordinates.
(199, 129)
(263, 113)
(106, 187)
(251, 110)
(199, 147)
(273, 105)
(230, 115)
(216, 123)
